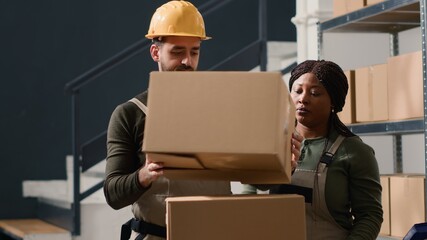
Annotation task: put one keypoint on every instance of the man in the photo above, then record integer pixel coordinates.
(176, 29)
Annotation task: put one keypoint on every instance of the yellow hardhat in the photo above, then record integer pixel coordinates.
(177, 18)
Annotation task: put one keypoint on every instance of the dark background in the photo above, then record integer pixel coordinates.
(45, 44)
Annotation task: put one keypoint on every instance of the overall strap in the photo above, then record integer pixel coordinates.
(336, 144)
(320, 220)
(327, 157)
(140, 226)
(140, 105)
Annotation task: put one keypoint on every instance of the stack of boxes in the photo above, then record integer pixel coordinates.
(391, 92)
(385, 92)
(403, 200)
(233, 126)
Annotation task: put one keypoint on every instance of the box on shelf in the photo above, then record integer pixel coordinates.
(407, 203)
(371, 93)
(238, 217)
(372, 2)
(385, 202)
(405, 86)
(341, 7)
(348, 113)
(233, 126)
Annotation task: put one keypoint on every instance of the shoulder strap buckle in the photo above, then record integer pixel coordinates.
(329, 155)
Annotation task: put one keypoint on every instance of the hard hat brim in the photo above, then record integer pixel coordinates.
(152, 36)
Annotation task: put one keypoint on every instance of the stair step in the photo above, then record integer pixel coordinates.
(49, 189)
(27, 229)
(62, 189)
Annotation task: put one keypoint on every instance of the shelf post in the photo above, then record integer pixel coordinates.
(423, 39)
(394, 44)
(262, 28)
(319, 42)
(397, 153)
(397, 138)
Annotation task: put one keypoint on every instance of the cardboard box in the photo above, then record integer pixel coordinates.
(385, 202)
(238, 217)
(233, 126)
(354, 5)
(372, 2)
(407, 203)
(405, 86)
(341, 7)
(348, 113)
(371, 93)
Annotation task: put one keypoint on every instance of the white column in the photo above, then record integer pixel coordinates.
(308, 13)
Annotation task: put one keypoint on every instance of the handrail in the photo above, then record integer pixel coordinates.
(128, 53)
(212, 6)
(228, 64)
(288, 68)
(121, 57)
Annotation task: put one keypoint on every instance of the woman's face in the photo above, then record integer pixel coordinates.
(312, 102)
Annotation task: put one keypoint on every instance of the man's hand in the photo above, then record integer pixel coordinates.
(296, 141)
(150, 172)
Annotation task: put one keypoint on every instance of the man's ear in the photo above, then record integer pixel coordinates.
(154, 51)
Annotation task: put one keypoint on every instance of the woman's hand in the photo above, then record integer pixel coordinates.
(296, 141)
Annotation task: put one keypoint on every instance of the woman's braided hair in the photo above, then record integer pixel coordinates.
(334, 80)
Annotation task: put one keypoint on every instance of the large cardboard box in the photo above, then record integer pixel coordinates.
(348, 113)
(233, 126)
(385, 202)
(239, 217)
(407, 203)
(405, 86)
(371, 93)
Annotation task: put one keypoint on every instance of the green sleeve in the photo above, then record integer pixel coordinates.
(364, 191)
(124, 156)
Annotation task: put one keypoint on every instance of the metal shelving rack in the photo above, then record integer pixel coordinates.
(392, 17)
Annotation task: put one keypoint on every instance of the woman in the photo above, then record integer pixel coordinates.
(341, 184)
(346, 200)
